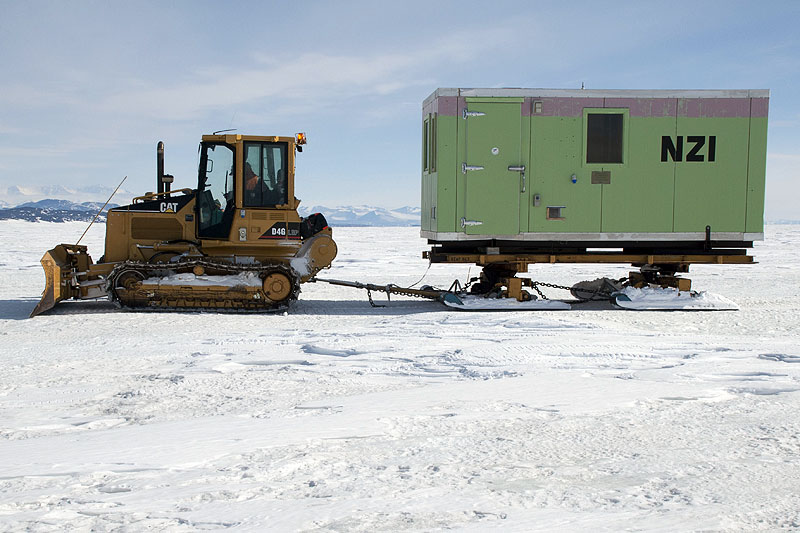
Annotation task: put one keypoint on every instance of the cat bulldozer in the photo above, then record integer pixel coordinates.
(235, 243)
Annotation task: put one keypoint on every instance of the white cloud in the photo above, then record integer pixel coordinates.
(316, 79)
(311, 77)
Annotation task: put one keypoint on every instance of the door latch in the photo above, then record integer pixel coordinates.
(466, 168)
(466, 114)
(465, 222)
(521, 170)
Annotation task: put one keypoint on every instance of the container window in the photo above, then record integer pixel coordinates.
(604, 138)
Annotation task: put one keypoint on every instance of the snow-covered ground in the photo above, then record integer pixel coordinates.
(342, 417)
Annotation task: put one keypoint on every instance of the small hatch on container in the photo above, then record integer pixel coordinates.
(555, 212)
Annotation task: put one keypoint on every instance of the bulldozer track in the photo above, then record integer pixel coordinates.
(124, 286)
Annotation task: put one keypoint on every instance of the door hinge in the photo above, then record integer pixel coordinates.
(465, 222)
(466, 114)
(466, 168)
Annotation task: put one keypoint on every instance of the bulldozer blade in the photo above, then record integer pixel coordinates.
(54, 262)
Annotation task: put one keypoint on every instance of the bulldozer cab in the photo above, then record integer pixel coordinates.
(242, 173)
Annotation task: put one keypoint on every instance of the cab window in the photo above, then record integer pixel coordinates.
(215, 191)
(265, 175)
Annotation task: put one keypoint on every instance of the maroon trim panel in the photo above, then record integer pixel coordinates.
(645, 107)
(759, 107)
(560, 107)
(714, 107)
(448, 106)
(452, 106)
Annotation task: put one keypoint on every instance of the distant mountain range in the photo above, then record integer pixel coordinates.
(56, 203)
(60, 210)
(66, 205)
(53, 210)
(19, 194)
(365, 215)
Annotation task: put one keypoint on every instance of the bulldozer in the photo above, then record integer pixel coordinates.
(235, 242)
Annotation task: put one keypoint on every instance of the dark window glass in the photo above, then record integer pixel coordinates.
(215, 191)
(265, 179)
(604, 138)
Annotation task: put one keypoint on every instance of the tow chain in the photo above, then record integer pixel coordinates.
(536, 284)
(456, 287)
(394, 289)
(372, 302)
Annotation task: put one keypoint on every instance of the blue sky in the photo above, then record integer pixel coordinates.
(89, 88)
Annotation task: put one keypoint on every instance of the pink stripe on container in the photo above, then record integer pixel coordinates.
(448, 106)
(759, 107)
(560, 107)
(645, 107)
(714, 107)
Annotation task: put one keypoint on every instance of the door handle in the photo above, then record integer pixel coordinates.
(465, 222)
(521, 170)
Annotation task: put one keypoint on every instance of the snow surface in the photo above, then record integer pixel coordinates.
(342, 417)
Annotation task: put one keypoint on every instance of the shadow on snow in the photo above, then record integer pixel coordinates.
(21, 309)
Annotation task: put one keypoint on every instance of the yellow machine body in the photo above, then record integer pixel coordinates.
(238, 234)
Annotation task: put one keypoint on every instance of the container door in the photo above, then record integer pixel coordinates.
(492, 168)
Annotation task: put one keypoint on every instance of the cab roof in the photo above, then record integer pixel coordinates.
(231, 139)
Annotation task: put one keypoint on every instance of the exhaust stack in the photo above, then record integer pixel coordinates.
(160, 167)
(163, 181)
